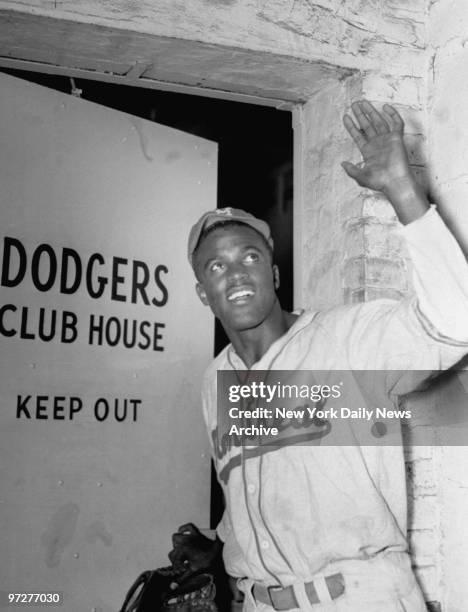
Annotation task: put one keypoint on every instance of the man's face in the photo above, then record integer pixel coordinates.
(236, 277)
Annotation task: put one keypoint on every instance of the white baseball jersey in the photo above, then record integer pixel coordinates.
(295, 511)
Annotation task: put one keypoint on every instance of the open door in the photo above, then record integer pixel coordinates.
(102, 344)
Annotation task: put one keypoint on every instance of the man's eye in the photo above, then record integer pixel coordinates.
(216, 266)
(251, 257)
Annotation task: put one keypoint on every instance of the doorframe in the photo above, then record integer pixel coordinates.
(134, 79)
(59, 46)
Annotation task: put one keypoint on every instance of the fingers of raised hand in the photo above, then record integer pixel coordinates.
(368, 118)
(356, 134)
(372, 122)
(376, 119)
(368, 122)
(394, 118)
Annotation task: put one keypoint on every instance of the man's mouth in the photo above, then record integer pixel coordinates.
(240, 295)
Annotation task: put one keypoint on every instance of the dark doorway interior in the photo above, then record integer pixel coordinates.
(254, 165)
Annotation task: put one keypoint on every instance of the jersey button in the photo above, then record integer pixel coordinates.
(251, 488)
(264, 544)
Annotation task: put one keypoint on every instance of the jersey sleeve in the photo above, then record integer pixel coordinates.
(440, 279)
(428, 331)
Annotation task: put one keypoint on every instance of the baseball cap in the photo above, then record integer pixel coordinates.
(212, 217)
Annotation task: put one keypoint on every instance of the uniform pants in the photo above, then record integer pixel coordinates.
(385, 583)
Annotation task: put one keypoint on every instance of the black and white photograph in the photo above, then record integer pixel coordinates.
(234, 305)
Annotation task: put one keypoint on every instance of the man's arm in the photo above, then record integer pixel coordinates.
(385, 166)
(429, 329)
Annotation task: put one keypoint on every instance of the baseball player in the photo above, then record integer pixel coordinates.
(323, 528)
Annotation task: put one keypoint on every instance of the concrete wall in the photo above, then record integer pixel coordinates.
(447, 107)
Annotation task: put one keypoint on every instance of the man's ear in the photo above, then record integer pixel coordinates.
(202, 294)
(276, 277)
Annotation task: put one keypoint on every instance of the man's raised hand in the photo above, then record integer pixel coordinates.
(379, 138)
(385, 166)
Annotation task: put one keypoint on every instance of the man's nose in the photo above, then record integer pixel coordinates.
(237, 271)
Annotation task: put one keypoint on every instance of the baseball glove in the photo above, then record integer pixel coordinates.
(160, 591)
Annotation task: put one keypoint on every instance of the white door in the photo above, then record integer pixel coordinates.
(102, 344)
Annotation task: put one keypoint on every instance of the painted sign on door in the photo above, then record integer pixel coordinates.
(102, 344)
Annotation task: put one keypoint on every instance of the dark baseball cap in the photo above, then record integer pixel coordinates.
(220, 215)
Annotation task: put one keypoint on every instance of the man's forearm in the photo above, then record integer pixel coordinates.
(408, 199)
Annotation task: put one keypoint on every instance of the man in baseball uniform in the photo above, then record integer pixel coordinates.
(323, 528)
